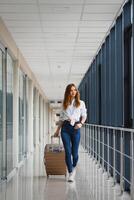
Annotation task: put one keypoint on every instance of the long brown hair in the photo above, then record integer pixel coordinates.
(67, 98)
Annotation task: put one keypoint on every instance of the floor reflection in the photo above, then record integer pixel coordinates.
(71, 191)
(31, 183)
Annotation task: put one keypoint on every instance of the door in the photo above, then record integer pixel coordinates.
(1, 115)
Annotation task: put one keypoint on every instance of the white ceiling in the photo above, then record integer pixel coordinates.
(58, 38)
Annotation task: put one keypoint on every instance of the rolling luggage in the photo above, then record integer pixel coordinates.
(54, 158)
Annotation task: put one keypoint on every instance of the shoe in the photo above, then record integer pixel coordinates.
(71, 177)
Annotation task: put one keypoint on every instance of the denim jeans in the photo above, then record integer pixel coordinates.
(71, 139)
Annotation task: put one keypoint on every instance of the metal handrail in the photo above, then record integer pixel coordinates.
(112, 127)
(108, 144)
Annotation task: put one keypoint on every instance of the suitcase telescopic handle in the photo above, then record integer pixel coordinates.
(52, 137)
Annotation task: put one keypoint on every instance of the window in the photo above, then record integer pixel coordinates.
(1, 114)
(9, 115)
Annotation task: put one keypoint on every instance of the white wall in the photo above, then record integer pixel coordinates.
(7, 41)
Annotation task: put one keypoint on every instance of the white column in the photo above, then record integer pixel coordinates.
(53, 122)
(30, 117)
(46, 123)
(41, 121)
(50, 124)
(15, 115)
(37, 119)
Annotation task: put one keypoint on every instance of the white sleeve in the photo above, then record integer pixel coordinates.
(83, 109)
(63, 116)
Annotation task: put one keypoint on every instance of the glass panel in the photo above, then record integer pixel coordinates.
(40, 119)
(21, 117)
(9, 114)
(1, 114)
(34, 115)
(26, 114)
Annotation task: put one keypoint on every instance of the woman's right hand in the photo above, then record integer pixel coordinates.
(57, 133)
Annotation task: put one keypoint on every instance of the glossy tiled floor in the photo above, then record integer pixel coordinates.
(30, 183)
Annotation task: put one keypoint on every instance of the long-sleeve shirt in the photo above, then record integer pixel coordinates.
(73, 113)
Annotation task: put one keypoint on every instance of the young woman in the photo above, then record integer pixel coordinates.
(72, 117)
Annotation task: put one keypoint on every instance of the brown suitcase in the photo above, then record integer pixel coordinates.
(54, 159)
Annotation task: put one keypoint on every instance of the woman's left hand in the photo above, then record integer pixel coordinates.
(77, 126)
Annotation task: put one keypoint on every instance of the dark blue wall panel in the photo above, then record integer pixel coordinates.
(127, 111)
(118, 73)
(108, 83)
(112, 76)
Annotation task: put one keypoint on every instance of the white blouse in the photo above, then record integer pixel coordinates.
(73, 114)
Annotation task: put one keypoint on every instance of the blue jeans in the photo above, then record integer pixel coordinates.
(71, 139)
